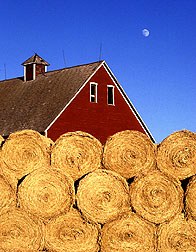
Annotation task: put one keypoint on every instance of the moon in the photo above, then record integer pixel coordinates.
(145, 32)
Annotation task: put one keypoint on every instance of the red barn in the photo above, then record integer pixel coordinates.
(86, 97)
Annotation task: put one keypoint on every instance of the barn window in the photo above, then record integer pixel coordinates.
(93, 92)
(110, 95)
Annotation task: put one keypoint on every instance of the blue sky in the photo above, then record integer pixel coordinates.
(157, 72)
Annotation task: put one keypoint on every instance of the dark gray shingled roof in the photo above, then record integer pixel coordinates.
(35, 104)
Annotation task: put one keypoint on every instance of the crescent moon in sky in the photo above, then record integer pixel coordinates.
(145, 32)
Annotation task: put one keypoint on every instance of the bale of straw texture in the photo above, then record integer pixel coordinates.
(128, 153)
(77, 153)
(24, 151)
(1, 140)
(8, 196)
(10, 177)
(20, 232)
(46, 193)
(176, 154)
(179, 235)
(71, 233)
(190, 199)
(102, 195)
(127, 233)
(156, 197)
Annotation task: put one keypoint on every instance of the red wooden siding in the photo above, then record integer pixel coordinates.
(40, 69)
(99, 119)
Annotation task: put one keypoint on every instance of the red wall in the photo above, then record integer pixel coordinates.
(40, 69)
(99, 119)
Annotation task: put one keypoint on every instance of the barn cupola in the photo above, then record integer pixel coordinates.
(34, 66)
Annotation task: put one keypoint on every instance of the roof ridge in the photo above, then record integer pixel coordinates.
(85, 64)
(57, 70)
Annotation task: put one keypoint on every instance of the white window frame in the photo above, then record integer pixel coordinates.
(110, 86)
(93, 95)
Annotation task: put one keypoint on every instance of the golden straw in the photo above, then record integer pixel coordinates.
(128, 153)
(156, 197)
(177, 154)
(102, 195)
(46, 193)
(77, 153)
(179, 235)
(25, 151)
(190, 199)
(71, 233)
(128, 233)
(19, 232)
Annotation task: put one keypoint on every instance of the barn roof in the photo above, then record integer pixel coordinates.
(34, 104)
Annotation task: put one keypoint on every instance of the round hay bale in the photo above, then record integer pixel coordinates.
(46, 193)
(19, 232)
(25, 151)
(77, 153)
(127, 233)
(71, 233)
(8, 196)
(128, 153)
(176, 154)
(179, 235)
(190, 199)
(102, 195)
(156, 197)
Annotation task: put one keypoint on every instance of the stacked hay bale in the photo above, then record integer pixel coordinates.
(77, 195)
(177, 157)
(23, 152)
(20, 232)
(77, 153)
(38, 209)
